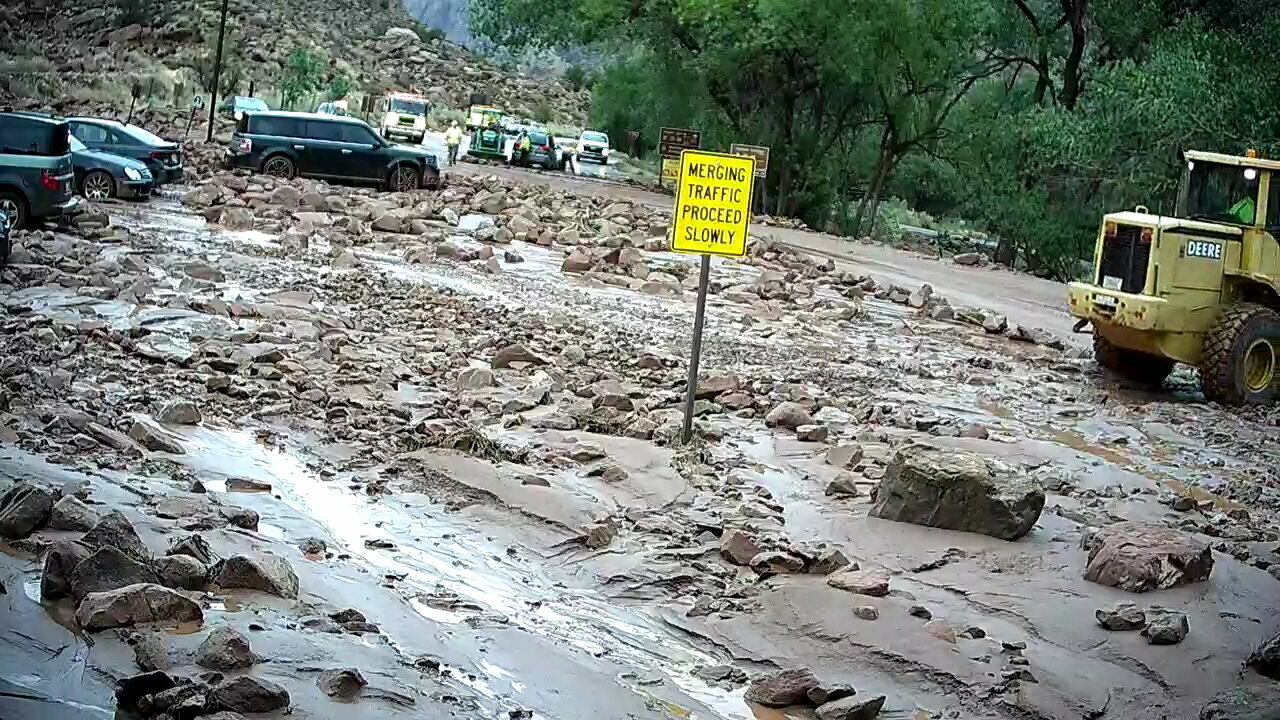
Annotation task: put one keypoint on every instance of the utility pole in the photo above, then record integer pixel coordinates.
(217, 72)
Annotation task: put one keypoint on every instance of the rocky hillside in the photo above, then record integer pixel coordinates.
(94, 51)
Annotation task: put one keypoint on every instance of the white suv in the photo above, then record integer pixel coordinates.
(593, 146)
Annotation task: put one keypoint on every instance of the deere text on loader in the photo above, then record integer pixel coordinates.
(1200, 287)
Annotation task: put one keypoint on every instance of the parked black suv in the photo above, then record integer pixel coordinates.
(329, 147)
(36, 177)
(162, 157)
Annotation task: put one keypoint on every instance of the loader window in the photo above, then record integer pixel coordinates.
(1222, 193)
(1273, 206)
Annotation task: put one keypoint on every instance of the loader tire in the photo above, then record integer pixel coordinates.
(1137, 367)
(1241, 363)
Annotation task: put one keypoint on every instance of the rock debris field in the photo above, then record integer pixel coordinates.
(274, 448)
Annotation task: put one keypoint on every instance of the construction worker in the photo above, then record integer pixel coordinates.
(453, 138)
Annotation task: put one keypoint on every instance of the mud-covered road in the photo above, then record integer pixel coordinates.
(451, 416)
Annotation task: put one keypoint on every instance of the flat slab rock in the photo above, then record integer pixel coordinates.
(1141, 557)
(957, 490)
(136, 605)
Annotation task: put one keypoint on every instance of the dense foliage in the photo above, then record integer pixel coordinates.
(1027, 117)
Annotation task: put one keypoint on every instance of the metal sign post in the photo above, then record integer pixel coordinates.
(712, 214)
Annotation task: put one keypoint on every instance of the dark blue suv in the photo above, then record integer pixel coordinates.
(37, 180)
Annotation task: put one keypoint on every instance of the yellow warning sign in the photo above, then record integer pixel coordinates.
(670, 169)
(713, 203)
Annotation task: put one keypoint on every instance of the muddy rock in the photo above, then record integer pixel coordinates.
(780, 689)
(1266, 658)
(60, 560)
(239, 484)
(872, 583)
(851, 708)
(711, 387)
(1253, 702)
(578, 261)
(180, 412)
(71, 514)
(1123, 617)
(1166, 627)
(312, 546)
(739, 547)
(270, 574)
(776, 562)
(844, 456)
(181, 572)
(114, 530)
(193, 545)
(812, 433)
(151, 437)
(586, 452)
(512, 354)
(237, 218)
(475, 379)
(250, 695)
(24, 508)
(957, 490)
(829, 693)
(136, 605)
(831, 560)
(226, 648)
(844, 485)
(131, 689)
(149, 651)
(344, 683)
(241, 517)
(866, 612)
(109, 568)
(790, 415)
(1140, 557)
(969, 259)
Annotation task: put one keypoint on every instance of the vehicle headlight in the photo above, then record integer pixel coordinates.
(132, 174)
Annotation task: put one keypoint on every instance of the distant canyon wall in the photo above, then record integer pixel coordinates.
(449, 16)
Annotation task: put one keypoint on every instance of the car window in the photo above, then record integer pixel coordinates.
(321, 130)
(91, 133)
(539, 138)
(360, 134)
(251, 104)
(76, 145)
(279, 126)
(595, 137)
(115, 137)
(146, 137)
(25, 136)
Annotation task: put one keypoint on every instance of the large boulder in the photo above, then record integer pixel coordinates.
(957, 490)
(1140, 557)
(70, 513)
(511, 354)
(136, 605)
(152, 437)
(851, 708)
(270, 574)
(250, 695)
(1266, 658)
(872, 583)
(343, 683)
(788, 415)
(181, 572)
(60, 561)
(739, 546)
(24, 508)
(226, 648)
(114, 530)
(1254, 702)
(109, 568)
(780, 689)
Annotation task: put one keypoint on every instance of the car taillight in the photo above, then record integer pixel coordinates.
(48, 181)
(546, 148)
(245, 146)
(1111, 230)
(157, 155)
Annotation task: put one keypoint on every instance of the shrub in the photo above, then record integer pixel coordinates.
(131, 12)
(542, 112)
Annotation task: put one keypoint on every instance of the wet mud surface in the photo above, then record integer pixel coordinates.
(509, 565)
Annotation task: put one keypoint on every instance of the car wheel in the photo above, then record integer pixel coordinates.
(15, 208)
(279, 166)
(98, 185)
(403, 179)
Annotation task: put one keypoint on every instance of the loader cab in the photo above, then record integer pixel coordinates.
(1239, 191)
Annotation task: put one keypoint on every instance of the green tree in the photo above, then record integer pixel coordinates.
(302, 76)
(338, 88)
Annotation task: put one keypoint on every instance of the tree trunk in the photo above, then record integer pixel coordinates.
(1072, 71)
(866, 197)
(887, 161)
